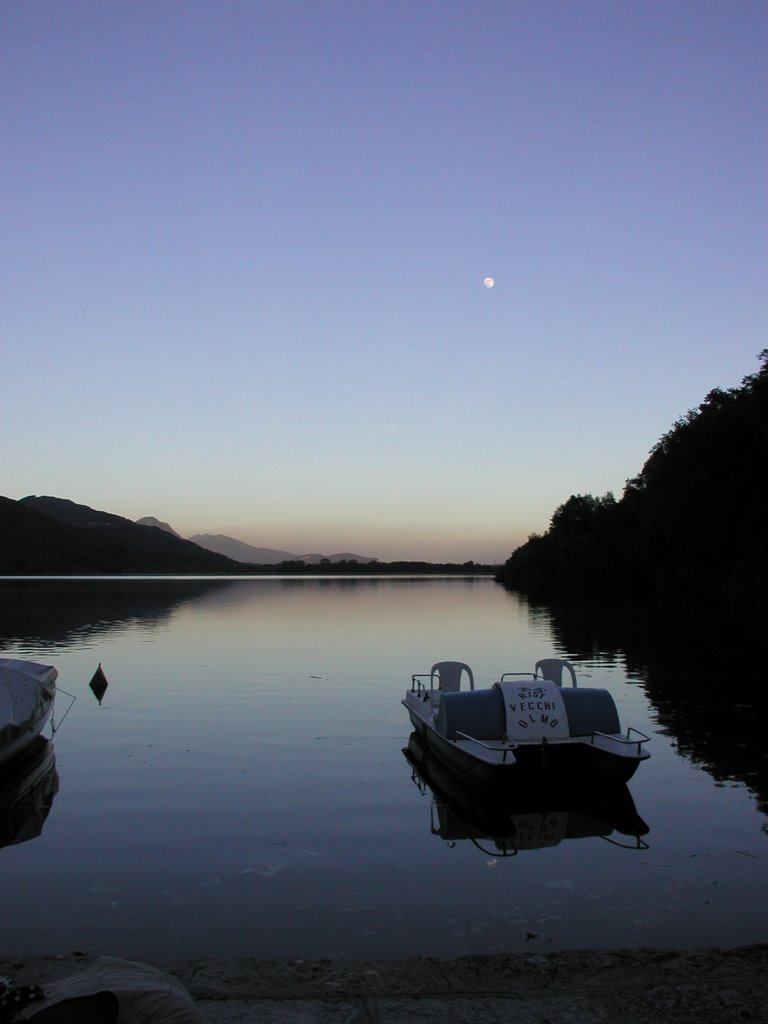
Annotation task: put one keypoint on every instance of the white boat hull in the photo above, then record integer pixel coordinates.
(519, 726)
(27, 693)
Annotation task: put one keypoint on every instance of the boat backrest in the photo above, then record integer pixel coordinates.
(552, 669)
(590, 710)
(449, 675)
(477, 713)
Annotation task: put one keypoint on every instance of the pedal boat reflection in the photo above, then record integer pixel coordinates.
(530, 815)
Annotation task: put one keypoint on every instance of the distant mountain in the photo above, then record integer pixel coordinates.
(151, 521)
(43, 535)
(241, 551)
(95, 541)
(344, 556)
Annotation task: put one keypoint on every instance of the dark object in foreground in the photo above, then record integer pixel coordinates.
(107, 991)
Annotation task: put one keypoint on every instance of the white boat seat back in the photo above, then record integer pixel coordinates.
(552, 669)
(534, 709)
(449, 675)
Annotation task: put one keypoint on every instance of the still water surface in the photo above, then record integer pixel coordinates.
(242, 790)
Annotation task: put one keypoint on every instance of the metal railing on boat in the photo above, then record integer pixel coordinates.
(623, 740)
(508, 748)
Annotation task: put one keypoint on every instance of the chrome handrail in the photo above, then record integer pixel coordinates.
(626, 740)
(418, 687)
(508, 748)
(643, 739)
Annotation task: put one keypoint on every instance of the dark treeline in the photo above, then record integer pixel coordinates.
(695, 519)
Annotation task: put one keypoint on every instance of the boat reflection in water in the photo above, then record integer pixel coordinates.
(533, 815)
(27, 787)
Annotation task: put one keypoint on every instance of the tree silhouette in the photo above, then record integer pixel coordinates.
(695, 518)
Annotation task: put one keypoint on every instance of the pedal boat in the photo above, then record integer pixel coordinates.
(525, 721)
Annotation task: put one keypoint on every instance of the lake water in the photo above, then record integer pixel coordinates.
(241, 789)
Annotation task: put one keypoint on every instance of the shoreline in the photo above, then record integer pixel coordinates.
(641, 986)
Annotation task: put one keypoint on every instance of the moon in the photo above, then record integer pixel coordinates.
(488, 282)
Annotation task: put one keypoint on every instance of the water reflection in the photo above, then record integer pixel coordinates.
(251, 736)
(60, 612)
(66, 612)
(535, 815)
(698, 666)
(28, 786)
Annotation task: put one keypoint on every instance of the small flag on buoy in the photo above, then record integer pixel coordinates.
(99, 684)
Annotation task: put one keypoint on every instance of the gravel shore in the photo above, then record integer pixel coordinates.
(637, 986)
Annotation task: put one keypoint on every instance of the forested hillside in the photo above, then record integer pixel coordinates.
(49, 536)
(694, 519)
(55, 536)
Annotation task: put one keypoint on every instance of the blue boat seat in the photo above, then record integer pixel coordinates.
(478, 713)
(481, 713)
(590, 710)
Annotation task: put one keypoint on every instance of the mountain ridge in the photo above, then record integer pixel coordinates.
(96, 540)
(239, 550)
(152, 521)
(242, 552)
(43, 534)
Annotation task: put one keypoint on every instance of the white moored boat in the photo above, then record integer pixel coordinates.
(524, 721)
(27, 692)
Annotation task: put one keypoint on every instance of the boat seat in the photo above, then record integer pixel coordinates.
(590, 711)
(481, 713)
(449, 675)
(478, 713)
(552, 669)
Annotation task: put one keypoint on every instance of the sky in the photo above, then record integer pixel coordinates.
(243, 247)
